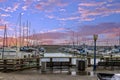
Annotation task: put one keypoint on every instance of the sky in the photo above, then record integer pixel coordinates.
(62, 21)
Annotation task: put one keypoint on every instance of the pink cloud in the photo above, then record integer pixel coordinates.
(49, 36)
(91, 4)
(11, 9)
(85, 33)
(103, 28)
(64, 18)
(110, 0)
(2, 27)
(48, 42)
(111, 36)
(85, 13)
(87, 19)
(69, 18)
(99, 9)
(38, 6)
(2, 22)
(62, 10)
(2, 0)
(28, 2)
(5, 15)
(50, 16)
(24, 8)
(57, 30)
(53, 30)
(50, 5)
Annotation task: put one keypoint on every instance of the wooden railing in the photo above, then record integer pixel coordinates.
(18, 64)
(111, 64)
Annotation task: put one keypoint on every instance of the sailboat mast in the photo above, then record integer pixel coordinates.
(16, 38)
(33, 38)
(20, 28)
(23, 34)
(27, 33)
(73, 39)
(4, 41)
(119, 39)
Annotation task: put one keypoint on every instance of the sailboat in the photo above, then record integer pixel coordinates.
(5, 51)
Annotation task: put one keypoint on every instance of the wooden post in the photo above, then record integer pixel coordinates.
(51, 65)
(70, 63)
(21, 64)
(5, 65)
(38, 63)
(89, 61)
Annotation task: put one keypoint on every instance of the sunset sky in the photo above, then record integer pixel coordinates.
(57, 21)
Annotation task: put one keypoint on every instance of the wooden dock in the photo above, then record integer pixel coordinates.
(7, 65)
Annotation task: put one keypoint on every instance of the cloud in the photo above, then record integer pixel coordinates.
(89, 11)
(5, 15)
(39, 6)
(105, 31)
(24, 8)
(62, 10)
(2, 0)
(93, 10)
(28, 4)
(57, 30)
(2, 22)
(50, 16)
(53, 30)
(50, 5)
(11, 9)
(63, 18)
(51, 34)
(91, 4)
(69, 18)
(49, 38)
(2, 27)
(110, 36)
(102, 28)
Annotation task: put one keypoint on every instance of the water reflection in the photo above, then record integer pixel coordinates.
(74, 73)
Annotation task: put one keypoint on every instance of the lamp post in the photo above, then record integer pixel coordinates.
(95, 39)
